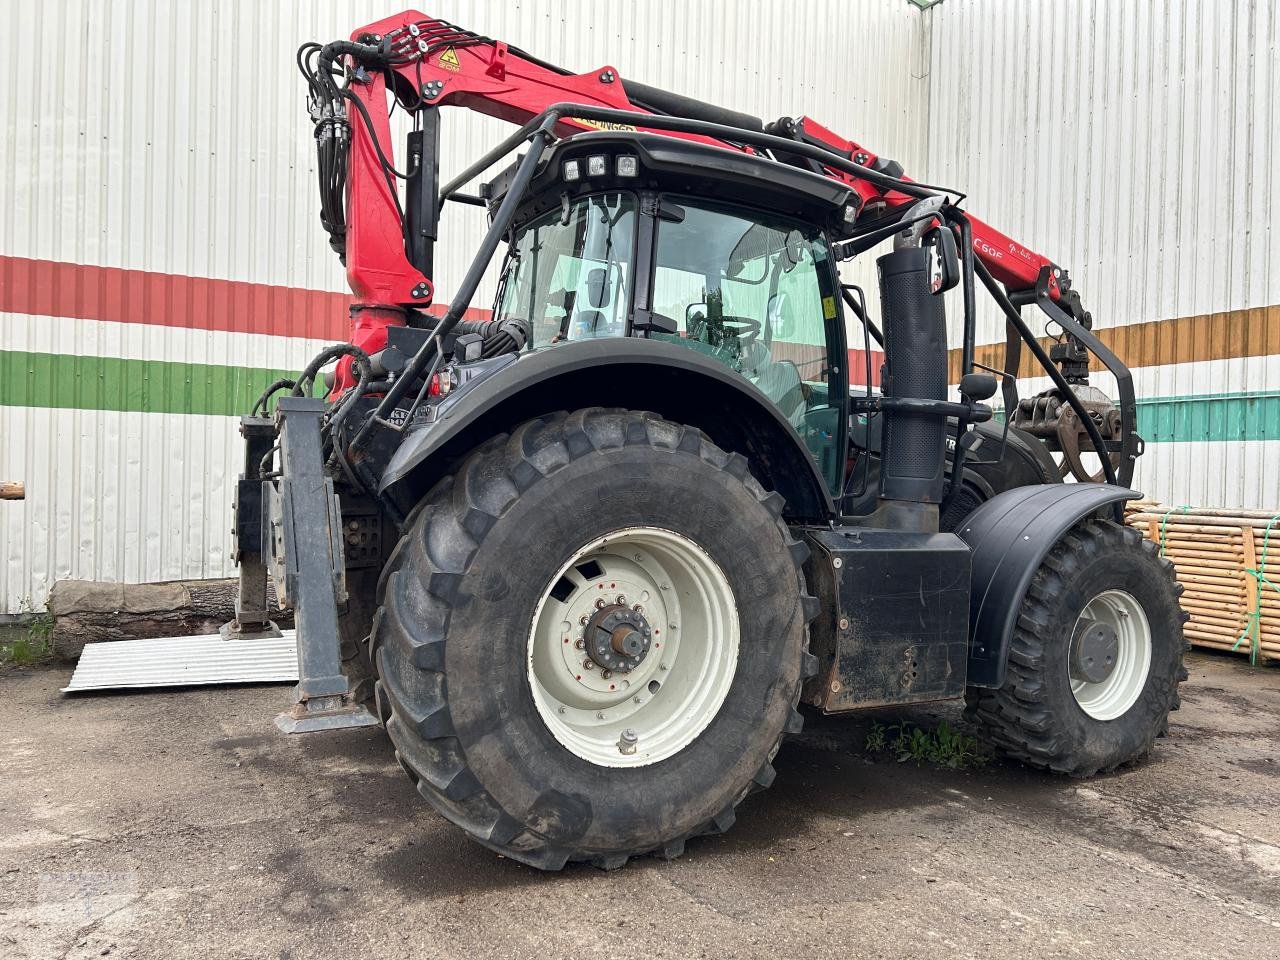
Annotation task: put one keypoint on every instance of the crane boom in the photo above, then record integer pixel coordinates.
(425, 62)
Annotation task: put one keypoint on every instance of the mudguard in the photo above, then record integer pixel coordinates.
(1010, 535)
(668, 379)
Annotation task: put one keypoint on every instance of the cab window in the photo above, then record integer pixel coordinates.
(757, 295)
(568, 275)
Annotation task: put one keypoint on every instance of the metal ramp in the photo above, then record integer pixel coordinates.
(185, 662)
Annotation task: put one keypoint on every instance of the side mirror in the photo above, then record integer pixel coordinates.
(978, 386)
(794, 250)
(693, 313)
(782, 322)
(596, 286)
(944, 262)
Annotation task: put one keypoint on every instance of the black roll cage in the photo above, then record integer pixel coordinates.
(538, 133)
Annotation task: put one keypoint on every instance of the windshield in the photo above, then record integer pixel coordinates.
(568, 275)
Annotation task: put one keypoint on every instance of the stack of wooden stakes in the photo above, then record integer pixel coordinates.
(1228, 562)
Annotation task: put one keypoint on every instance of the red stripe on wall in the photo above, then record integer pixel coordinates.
(56, 289)
(858, 367)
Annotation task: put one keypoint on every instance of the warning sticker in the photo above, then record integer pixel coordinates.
(449, 60)
(829, 307)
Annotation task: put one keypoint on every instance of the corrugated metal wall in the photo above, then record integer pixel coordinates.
(162, 140)
(1138, 144)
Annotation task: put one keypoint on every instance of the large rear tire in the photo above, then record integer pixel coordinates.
(476, 641)
(1096, 656)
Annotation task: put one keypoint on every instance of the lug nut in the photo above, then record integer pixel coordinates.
(606, 674)
(588, 664)
(600, 604)
(580, 644)
(622, 601)
(584, 620)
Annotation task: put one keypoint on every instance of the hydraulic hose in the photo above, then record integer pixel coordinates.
(363, 52)
(500, 336)
(326, 355)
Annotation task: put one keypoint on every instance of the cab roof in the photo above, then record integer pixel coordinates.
(674, 166)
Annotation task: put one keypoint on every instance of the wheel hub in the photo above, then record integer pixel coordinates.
(1109, 658)
(617, 637)
(1094, 650)
(633, 647)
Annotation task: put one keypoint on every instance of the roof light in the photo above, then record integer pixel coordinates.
(597, 166)
(628, 166)
(571, 171)
(850, 213)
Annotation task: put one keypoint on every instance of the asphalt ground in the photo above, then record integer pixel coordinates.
(181, 824)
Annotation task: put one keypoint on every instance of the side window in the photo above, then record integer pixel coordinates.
(750, 293)
(570, 277)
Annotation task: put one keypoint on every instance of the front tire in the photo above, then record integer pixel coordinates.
(475, 661)
(1077, 704)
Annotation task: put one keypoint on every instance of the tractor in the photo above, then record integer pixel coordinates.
(584, 554)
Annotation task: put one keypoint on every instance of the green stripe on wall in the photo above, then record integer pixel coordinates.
(1210, 416)
(1221, 417)
(162, 386)
(110, 383)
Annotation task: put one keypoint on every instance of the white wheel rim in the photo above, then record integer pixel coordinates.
(678, 686)
(1112, 697)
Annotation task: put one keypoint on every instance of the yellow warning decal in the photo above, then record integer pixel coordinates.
(829, 307)
(449, 60)
(603, 124)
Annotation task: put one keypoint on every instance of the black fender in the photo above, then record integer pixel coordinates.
(1009, 536)
(668, 379)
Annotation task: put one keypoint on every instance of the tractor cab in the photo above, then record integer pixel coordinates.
(639, 235)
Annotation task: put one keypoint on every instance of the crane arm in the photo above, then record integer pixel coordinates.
(424, 62)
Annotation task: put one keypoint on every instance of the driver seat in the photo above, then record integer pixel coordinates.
(779, 380)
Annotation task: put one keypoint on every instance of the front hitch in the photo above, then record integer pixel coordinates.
(299, 538)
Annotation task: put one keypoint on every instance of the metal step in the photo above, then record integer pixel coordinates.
(205, 660)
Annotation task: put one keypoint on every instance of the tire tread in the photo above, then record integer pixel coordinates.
(1016, 717)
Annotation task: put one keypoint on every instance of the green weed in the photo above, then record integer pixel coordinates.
(23, 644)
(944, 747)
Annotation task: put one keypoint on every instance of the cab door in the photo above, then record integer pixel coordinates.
(760, 294)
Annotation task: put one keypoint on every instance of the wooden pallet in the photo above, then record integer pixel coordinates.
(1228, 562)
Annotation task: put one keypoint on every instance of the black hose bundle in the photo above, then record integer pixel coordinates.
(508, 335)
(339, 350)
(284, 383)
(326, 106)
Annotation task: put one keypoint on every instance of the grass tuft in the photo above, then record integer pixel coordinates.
(944, 747)
(27, 643)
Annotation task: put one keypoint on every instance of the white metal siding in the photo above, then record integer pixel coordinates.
(1135, 143)
(1138, 145)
